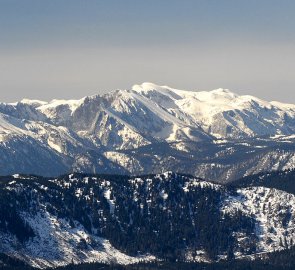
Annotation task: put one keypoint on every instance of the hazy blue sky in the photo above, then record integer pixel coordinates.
(70, 48)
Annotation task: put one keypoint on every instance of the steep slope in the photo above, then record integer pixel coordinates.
(223, 113)
(41, 148)
(84, 218)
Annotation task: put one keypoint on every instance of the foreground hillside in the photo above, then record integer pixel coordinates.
(125, 220)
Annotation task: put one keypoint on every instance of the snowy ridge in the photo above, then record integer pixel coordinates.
(220, 110)
(110, 131)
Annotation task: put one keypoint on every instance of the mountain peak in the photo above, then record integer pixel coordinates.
(221, 91)
(148, 86)
(33, 101)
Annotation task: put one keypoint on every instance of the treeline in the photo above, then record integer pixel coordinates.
(282, 260)
(9, 263)
(283, 180)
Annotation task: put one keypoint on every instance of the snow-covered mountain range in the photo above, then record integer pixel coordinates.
(85, 218)
(115, 132)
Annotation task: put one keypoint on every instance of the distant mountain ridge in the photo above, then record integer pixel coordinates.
(99, 133)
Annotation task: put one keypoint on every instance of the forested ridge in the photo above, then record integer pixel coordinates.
(176, 218)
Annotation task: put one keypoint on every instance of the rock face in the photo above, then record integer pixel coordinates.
(188, 131)
(85, 218)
